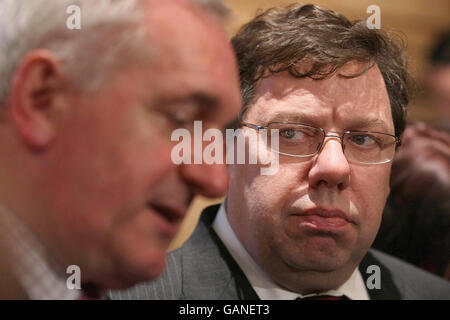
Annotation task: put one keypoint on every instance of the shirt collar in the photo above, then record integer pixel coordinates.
(266, 289)
(39, 276)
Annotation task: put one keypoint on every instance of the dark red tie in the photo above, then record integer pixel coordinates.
(324, 297)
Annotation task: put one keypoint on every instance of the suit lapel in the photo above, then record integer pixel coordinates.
(239, 283)
(228, 280)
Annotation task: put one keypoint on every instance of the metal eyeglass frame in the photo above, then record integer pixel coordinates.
(258, 127)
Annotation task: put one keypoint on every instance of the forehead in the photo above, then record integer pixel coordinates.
(186, 39)
(333, 102)
(192, 53)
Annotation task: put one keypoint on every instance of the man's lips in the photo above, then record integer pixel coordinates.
(172, 216)
(171, 213)
(323, 219)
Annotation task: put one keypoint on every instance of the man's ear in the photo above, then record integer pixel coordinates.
(34, 100)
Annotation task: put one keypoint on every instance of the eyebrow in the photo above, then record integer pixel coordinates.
(204, 100)
(293, 117)
(370, 124)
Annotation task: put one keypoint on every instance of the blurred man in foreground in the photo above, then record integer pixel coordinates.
(86, 177)
(334, 93)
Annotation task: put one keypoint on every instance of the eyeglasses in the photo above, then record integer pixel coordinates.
(301, 140)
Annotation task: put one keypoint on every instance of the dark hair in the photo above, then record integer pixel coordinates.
(279, 39)
(416, 219)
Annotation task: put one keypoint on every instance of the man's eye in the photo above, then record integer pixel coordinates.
(178, 121)
(182, 115)
(365, 140)
(288, 133)
(292, 134)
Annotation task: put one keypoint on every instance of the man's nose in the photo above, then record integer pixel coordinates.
(330, 167)
(210, 180)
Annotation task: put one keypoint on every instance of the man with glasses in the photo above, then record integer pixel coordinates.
(334, 94)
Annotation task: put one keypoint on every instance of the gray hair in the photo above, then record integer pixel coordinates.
(26, 25)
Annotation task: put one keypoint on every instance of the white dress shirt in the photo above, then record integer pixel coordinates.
(32, 266)
(265, 288)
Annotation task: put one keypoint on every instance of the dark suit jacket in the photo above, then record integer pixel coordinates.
(203, 269)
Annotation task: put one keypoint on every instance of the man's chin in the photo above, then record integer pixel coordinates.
(317, 261)
(129, 274)
(320, 265)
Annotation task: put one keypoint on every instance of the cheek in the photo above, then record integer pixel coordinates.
(266, 196)
(135, 170)
(260, 190)
(138, 246)
(142, 165)
(107, 176)
(370, 190)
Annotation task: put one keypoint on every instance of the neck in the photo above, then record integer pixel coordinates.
(10, 288)
(29, 213)
(311, 282)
